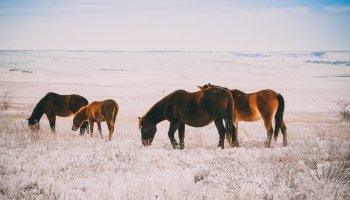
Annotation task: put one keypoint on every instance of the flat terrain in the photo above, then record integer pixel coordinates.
(64, 165)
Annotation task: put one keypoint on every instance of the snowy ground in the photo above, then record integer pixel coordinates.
(42, 165)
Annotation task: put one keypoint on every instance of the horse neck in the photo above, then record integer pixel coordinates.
(156, 113)
(83, 113)
(37, 112)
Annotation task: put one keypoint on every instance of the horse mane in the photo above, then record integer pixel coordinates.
(38, 109)
(236, 92)
(209, 85)
(81, 111)
(156, 113)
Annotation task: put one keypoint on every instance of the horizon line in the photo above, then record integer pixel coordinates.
(161, 50)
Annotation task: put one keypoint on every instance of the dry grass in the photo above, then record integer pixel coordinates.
(314, 166)
(344, 113)
(6, 101)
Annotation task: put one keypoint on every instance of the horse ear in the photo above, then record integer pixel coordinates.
(209, 85)
(140, 125)
(200, 87)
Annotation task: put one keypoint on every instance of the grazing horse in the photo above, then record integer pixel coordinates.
(196, 109)
(264, 104)
(53, 105)
(97, 111)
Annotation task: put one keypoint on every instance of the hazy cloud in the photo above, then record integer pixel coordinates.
(175, 25)
(288, 10)
(338, 9)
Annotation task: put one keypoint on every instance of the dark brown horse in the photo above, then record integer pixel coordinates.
(264, 104)
(195, 109)
(97, 111)
(53, 105)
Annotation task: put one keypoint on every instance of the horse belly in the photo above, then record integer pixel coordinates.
(99, 118)
(253, 116)
(64, 114)
(197, 120)
(198, 124)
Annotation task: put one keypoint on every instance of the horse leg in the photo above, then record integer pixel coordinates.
(229, 138)
(91, 123)
(84, 128)
(235, 135)
(52, 121)
(181, 130)
(99, 128)
(111, 129)
(232, 138)
(284, 132)
(172, 129)
(221, 129)
(269, 130)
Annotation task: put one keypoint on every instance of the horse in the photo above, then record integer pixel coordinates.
(97, 111)
(264, 104)
(196, 109)
(53, 105)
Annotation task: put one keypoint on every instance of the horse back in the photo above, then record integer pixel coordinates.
(57, 104)
(211, 99)
(76, 102)
(64, 105)
(254, 106)
(103, 110)
(197, 109)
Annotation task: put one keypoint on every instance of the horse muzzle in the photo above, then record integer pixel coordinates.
(147, 142)
(74, 128)
(34, 127)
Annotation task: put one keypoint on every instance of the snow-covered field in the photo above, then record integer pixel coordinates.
(43, 165)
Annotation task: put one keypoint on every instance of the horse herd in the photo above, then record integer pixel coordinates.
(197, 109)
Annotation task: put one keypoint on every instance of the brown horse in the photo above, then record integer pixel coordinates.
(264, 104)
(53, 105)
(195, 109)
(97, 111)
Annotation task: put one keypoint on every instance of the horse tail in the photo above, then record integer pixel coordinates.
(230, 129)
(115, 112)
(279, 115)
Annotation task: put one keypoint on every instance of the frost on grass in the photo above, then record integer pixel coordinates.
(64, 165)
(344, 113)
(5, 101)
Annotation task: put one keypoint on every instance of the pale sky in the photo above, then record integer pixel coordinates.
(190, 25)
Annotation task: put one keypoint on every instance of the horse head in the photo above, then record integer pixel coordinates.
(205, 86)
(77, 122)
(79, 118)
(148, 130)
(33, 123)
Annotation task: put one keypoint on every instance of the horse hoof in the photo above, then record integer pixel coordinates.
(182, 146)
(235, 144)
(267, 144)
